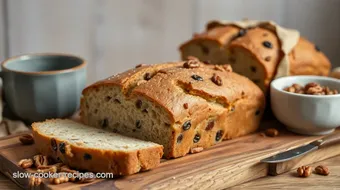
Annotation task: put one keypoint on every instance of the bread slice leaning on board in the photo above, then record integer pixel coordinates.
(184, 106)
(88, 148)
(260, 50)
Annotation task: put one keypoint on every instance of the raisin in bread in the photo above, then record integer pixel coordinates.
(261, 51)
(92, 149)
(182, 105)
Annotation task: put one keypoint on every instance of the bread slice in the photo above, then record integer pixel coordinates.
(92, 149)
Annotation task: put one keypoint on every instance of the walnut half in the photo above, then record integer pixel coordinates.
(25, 163)
(40, 160)
(322, 170)
(304, 171)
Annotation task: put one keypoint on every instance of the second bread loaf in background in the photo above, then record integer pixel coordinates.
(182, 105)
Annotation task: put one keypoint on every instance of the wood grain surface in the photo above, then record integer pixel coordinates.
(290, 181)
(225, 165)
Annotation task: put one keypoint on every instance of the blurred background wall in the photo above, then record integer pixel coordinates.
(114, 35)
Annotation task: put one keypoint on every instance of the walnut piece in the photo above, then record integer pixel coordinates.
(316, 90)
(34, 181)
(25, 163)
(224, 68)
(217, 80)
(59, 180)
(272, 132)
(68, 151)
(196, 150)
(26, 139)
(192, 63)
(47, 169)
(304, 171)
(322, 170)
(40, 160)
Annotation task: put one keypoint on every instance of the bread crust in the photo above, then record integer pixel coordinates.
(115, 162)
(172, 85)
(305, 59)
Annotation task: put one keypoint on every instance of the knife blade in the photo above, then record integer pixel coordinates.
(290, 154)
(302, 150)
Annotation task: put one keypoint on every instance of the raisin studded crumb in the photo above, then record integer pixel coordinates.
(139, 104)
(108, 98)
(268, 58)
(219, 135)
(197, 138)
(196, 77)
(186, 105)
(54, 144)
(179, 138)
(210, 125)
(62, 147)
(147, 76)
(87, 156)
(267, 44)
(186, 126)
(138, 124)
(253, 69)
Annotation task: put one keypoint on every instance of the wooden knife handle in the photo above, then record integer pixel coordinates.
(327, 140)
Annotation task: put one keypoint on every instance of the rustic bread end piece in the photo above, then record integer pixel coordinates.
(92, 149)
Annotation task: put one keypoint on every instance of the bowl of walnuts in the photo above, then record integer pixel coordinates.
(308, 105)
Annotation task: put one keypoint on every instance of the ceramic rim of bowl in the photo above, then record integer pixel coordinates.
(306, 77)
(78, 67)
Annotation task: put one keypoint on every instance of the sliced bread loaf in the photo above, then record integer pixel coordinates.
(92, 149)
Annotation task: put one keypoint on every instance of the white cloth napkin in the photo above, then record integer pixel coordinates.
(9, 127)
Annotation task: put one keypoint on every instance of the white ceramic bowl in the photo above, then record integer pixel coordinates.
(306, 114)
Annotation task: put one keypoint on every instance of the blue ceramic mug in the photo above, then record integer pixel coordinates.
(43, 86)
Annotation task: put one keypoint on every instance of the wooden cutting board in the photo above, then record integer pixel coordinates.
(227, 164)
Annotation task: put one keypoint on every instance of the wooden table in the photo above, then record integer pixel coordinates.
(288, 180)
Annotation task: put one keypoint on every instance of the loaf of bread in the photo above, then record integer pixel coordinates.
(256, 50)
(184, 106)
(92, 149)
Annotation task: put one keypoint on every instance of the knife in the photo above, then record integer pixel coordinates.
(299, 151)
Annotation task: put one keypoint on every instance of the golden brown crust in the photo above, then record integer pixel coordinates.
(253, 42)
(116, 162)
(172, 77)
(307, 59)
